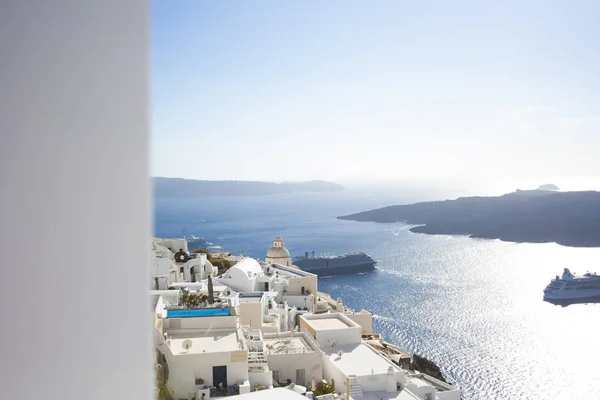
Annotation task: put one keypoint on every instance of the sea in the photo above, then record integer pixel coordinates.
(472, 306)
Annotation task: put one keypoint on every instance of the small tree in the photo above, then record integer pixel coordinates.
(203, 251)
(222, 264)
(191, 300)
(163, 391)
(323, 388)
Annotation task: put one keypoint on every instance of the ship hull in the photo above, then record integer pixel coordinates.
(345, 270)
(574, 295)
(567, 302)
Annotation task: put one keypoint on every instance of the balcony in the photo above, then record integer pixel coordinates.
(232, 390)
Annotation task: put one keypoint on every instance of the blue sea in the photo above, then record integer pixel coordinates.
(472, 306)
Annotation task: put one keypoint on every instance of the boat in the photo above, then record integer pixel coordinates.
(573, 288)
(349, 263)
(195, 242)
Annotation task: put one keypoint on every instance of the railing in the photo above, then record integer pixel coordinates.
(232, 390)
(289, 350)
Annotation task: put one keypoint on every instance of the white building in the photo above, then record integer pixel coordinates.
(294, 357)
(354, 367)
(203, 349)
(248, 341)
(171, 263)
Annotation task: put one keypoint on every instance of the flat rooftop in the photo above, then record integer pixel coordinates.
(270, 394)
(249, 299)
(287, 345)
(403, 395)
(359, 360)
(292, 271)
(327, 324)
(214, 341)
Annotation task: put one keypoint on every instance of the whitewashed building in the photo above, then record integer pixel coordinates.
(271, 327)
(204, 350)
(171, 263)
(354, 367)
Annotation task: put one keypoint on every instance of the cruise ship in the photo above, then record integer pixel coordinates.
(570, 287)
(320, 265)
(335, 265)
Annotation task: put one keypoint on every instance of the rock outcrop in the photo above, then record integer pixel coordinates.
(425, 366)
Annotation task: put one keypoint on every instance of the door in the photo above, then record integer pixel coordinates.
(220, 376)
(300, 377)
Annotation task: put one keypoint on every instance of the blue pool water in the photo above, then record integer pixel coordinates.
(207, 312)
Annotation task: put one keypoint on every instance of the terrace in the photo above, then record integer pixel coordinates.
(288, 343)
(213, 341)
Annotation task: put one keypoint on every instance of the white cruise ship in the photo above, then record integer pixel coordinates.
(572, 287)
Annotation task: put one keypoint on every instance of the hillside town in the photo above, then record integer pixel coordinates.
(263, 330)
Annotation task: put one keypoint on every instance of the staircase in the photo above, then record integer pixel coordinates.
(256, 358)
(355, 389)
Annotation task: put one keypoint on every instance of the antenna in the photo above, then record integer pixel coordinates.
(187, 344)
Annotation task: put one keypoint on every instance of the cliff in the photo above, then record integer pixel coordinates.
(537, 216)
(425, 366)
(179, 187)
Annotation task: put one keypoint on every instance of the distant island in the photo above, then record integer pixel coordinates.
(535, 216)
(179, 187)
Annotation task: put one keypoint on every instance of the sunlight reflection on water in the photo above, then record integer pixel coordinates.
(472, 306)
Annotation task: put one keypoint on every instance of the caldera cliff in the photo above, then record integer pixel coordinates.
(536, 216)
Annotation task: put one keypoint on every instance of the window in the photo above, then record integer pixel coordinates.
(174, 324)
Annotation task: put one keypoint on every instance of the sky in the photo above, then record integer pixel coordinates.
(381, 91)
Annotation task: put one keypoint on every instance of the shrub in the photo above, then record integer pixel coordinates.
(204, 251)
(323, 388)
(163, 391)
(191, 300)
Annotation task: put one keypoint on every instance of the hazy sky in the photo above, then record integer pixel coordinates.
(341, 90)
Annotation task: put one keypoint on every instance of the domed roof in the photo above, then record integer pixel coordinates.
(248, 266)
(278, 252)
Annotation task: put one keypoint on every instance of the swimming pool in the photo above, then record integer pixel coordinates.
(204, 312)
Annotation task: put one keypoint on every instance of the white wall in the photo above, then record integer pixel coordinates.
(350, 335)
(448, 395)
(222, 322)
(364, 319)
(162, 266)
(377, 382)
(299, 301)
(330, 371)
(295, 285)
(421, 390)
(251, 314)
(184, 369)
(262, 378)
(174, 244)
(74, 161)
(287, 364)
